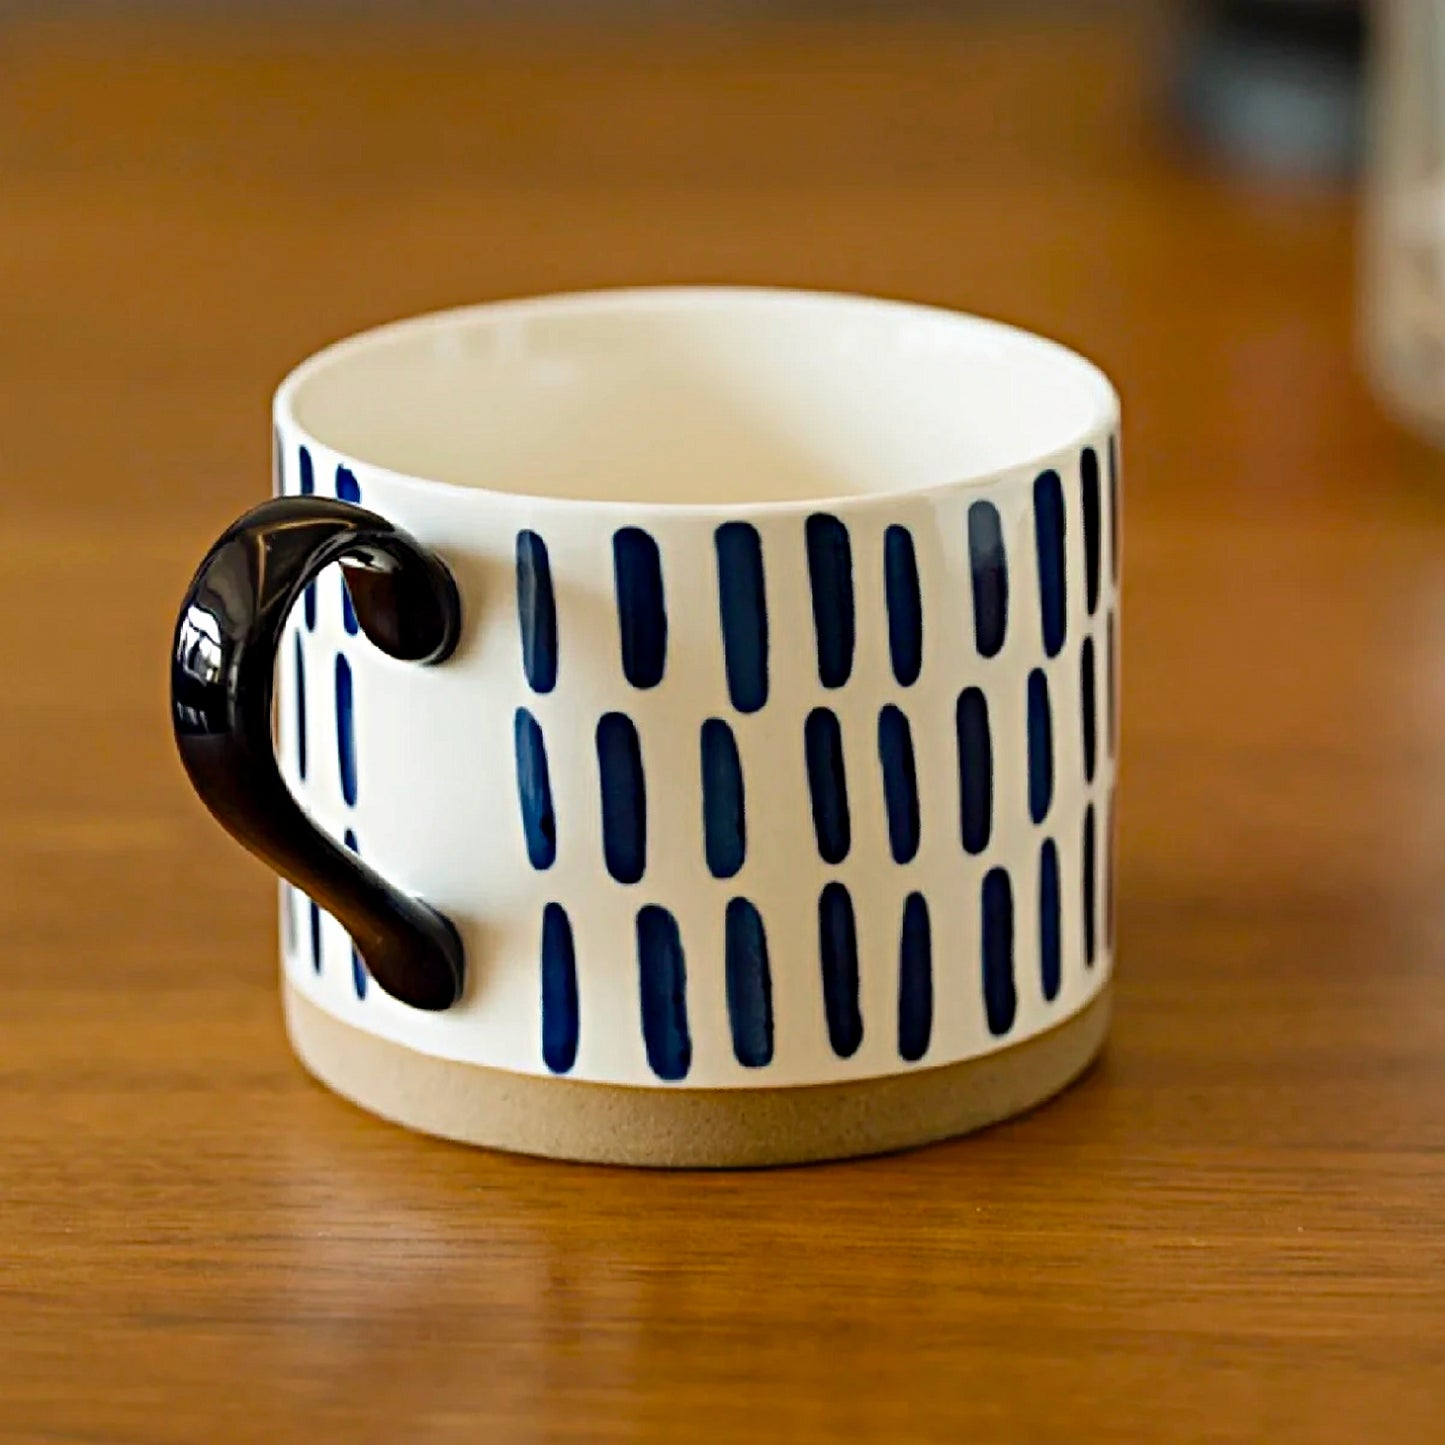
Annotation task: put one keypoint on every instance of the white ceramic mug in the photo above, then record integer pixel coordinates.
(757, 804)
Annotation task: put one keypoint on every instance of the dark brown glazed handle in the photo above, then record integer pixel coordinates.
(222, 678)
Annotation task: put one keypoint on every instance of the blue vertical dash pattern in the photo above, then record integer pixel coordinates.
(743, 612)
(534, 790)
(724, 818)
(1088, 708)
(348, 489)
(560, 1022)
(359, 976)
(315, 935)
(1089, 883)
(975, 770)
(1050, 939)
(300, 709)
(1049, 537)
(1000, 998)
(345, 731)
(905, 605)
(830, 571)
(838, 951)
(749, 985)
(624, 797)
(663, 982)
(1114, 508)
(828, 784)
(641, 607)
(536, 612)
(308, 488)
(1041, 746)
(989, 566)
(1089, 476)
(900, 783)
(915, 980)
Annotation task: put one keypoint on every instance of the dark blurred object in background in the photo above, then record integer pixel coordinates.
(1275, 86)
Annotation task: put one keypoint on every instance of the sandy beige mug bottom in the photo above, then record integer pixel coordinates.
(680, 1128)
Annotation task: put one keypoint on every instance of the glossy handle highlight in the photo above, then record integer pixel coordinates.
(223, 664)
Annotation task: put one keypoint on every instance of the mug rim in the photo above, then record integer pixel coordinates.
(1103, 419)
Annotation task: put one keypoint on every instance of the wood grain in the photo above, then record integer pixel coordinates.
(1233, 1229)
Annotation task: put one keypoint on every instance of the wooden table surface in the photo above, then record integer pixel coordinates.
(1232, 1229)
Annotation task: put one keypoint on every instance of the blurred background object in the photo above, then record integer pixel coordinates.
(1274, 85)
(1404, 233)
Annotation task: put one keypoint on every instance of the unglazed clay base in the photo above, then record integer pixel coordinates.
(681, 1128)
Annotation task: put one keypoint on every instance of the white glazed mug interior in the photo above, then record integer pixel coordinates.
(698, 396)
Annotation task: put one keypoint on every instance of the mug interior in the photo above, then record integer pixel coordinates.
(697, 396)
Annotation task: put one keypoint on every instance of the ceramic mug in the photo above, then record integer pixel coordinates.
(703, 752)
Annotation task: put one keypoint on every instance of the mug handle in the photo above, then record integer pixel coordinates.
(223, 665)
